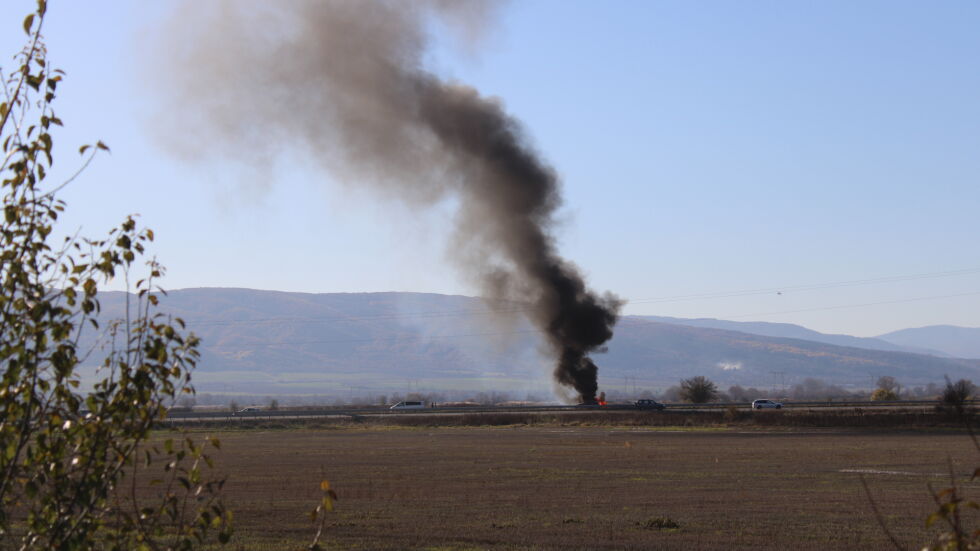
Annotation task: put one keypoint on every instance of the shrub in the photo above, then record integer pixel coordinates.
(883, 395)
(698, 390)
(955, 395)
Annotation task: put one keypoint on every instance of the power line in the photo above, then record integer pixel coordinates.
(843, 306)
(517, 308)
(396, 338)
(640, 318)
(810, 287)
(379, 317)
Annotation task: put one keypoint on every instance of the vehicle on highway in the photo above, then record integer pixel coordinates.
(408, 405)
(649, 404)
(763, 404)
(247, 411)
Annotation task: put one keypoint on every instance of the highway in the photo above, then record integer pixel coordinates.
(181, 417)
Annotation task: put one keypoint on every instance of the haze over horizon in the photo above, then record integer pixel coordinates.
(782, 162)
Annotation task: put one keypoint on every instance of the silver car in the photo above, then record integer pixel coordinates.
(762, 404)
(408, 405)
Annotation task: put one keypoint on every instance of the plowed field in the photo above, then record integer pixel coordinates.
(588, 488)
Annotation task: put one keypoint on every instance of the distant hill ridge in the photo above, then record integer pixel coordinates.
(787, 330)
(271, 342)
(959, 342)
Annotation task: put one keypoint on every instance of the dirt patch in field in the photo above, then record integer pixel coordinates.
(584, 488)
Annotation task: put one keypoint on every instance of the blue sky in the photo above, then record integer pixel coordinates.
(705, 148)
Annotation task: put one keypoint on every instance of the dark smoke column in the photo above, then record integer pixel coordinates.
(344, 81)
(516, 195)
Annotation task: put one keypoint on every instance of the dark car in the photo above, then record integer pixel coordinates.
(649, 404)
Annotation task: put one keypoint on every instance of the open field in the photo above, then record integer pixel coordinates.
(588, 487)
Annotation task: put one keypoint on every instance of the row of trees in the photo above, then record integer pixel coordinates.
(700, 390)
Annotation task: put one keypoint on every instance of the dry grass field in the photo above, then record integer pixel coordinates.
(588, 487)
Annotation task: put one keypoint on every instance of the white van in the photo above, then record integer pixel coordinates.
(408, 405)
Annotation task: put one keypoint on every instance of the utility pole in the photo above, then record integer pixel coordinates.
(782, 379)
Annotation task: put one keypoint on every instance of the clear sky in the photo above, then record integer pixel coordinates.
(823, 153)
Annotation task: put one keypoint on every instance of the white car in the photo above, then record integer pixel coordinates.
(761, 404)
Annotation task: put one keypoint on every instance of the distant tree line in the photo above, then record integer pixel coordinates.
(697, 389)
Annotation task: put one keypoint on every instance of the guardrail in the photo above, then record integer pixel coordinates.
(357, 412)
(825, 403)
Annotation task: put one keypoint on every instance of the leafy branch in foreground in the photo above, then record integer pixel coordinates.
(64, 451)
(950, 513)
(951, 506)
(319, 514)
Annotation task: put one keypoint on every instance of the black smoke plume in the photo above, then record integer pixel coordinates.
(344, 82)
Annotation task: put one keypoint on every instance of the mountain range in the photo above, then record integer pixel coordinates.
(790, 331)
(959, 342)
(276, 343)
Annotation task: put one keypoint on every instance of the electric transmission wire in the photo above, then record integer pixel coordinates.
(635, 319)
(811, 287)
(506, 307)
